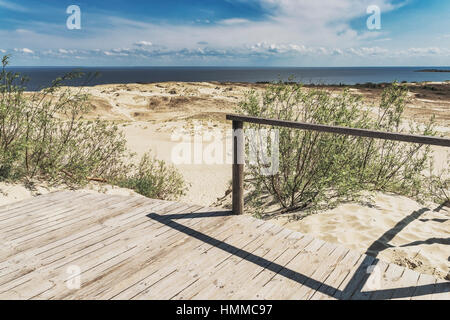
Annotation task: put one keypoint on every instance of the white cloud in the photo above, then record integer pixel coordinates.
(24, 50)
(427, 51)
(143, 43)
(116, 52)
(367, 51)
(12, 6)
(233, 21)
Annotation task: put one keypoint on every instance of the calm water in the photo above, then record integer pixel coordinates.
(42, 76)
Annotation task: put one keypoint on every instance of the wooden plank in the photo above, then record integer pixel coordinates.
(321, 273)
(441, 290)
(201, 266)
(50, 207)
(212, 276)
(331, 284)
(344, 130)
(296, 279)
(133, 247)
(29, 211)
(190, 266)
(152, 248)
(91, 261)
(26, 260)
(159, 268)
(49, 216)
(356, 278)
(225, 276)
(101, 209)
(87, 237)
(406, 286)
(30, 262)
(425, 287)
(5, 210)
(258, 269)
(389, 280)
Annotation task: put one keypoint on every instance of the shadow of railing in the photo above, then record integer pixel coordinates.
(353, 288)
(384, 240)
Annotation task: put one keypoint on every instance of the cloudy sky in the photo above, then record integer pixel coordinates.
(226, 33)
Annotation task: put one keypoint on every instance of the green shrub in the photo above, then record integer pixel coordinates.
(439, 185)
(154, 179)
(321, 169)
(43, 134)
(44, 137)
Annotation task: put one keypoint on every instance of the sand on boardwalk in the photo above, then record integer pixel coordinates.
(394, 228)
(12, 192)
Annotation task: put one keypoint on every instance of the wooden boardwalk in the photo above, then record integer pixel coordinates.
(70, 245)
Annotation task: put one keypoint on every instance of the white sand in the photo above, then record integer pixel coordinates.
(396, 229)
(10, 193)
(207, 182)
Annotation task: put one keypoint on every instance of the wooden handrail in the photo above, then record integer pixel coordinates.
(238, 147)
(436, 141)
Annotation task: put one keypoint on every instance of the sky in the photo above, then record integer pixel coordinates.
(302, 33)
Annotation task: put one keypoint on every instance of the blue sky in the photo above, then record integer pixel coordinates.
(226, 33)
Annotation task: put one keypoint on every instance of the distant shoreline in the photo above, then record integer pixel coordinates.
(42, 77)
(366, 85)
(432, 70)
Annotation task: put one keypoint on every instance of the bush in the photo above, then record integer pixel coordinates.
(44, 137)
(154, 179)
(439, 186)
(321, 169)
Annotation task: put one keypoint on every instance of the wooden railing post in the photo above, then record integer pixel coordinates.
(238, 167)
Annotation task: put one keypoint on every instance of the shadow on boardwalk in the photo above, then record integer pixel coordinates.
(354, 286)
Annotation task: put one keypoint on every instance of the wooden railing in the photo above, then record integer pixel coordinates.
(238, 145)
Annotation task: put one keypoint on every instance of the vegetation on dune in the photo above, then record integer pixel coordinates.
(153, 178)
(43, 137)
(319, 170)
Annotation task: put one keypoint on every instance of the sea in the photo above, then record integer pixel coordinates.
(41, 77)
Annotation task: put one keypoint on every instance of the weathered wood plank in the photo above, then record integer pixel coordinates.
(133, 247)
(425, 287)
(212, 277)
(441, 290)
(190, 267)
(91, 256)
(150, 261)
(331, 284)
(298, 273)
(260, 268)
(356, 278)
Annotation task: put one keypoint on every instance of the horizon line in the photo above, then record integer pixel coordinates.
(192, 66)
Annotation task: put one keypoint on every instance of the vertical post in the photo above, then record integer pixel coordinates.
(238, 167)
